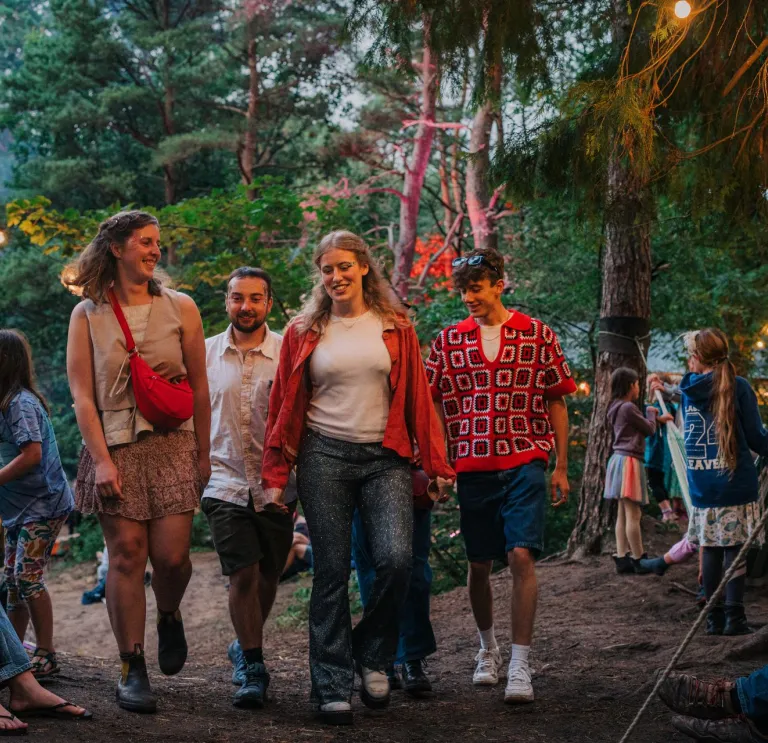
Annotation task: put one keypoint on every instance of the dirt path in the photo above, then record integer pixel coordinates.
(585, 691)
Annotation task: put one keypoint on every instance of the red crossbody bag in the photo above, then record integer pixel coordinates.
(164, 404)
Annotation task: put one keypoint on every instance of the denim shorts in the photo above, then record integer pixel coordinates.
(502, 510)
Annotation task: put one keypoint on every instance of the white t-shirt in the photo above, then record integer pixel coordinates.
(349, 370)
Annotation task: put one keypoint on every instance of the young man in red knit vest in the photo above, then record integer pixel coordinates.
(498, 381)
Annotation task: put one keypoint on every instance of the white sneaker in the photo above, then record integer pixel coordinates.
(519, 688)
(487, 668)
(375, 688)
(335, 713)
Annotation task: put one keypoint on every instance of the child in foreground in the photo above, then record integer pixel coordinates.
(35, 498)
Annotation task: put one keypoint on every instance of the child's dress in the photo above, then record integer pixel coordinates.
(726, 508)
(625, 476)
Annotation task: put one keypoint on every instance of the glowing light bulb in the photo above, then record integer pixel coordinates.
(3, 238)
(760, 345)
(682, 8)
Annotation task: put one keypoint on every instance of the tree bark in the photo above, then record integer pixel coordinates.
(415, 172)
(626, 292)
(248, 154)
(479, 164)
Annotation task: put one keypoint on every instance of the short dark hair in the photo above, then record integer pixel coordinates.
(248, 272)
(622, 380)
(492, 268)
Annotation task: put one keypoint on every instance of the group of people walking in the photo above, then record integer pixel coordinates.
(340, 415)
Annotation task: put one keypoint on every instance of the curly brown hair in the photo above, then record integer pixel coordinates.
(96, 268)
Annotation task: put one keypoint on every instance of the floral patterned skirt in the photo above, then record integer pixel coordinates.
(729, 526)
(159, 473)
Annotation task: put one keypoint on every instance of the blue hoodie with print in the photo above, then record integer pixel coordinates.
(711, 484)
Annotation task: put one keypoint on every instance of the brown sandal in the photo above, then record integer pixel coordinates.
(44, 664)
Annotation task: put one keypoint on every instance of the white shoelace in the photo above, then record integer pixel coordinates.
(487, 663)
(519, 673)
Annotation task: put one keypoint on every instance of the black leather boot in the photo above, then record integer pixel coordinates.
(716, 621)
(171, 642)
(395, 684)
(415, 679)
(133, 690)
(624, 565)
(736, 621)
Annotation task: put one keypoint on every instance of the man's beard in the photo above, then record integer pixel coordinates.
(239, 326)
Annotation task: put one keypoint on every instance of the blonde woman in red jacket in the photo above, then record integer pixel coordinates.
(349, 398)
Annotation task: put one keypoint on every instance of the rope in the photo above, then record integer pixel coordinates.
(634, 338)
(684, 644)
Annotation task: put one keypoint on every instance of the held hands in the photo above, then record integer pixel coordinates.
(560, 486)
(439, 489)
(277, 505)
(108, 483)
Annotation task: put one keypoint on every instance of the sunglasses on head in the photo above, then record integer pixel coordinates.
(474, 260)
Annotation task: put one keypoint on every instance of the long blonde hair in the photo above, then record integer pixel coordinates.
(96, 268)
(377, 293)
(710, 346)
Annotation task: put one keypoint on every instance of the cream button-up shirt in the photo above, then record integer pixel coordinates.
(239, 387)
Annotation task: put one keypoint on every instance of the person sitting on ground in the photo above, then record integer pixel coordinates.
(35, 498)
(300, 558)
(27, 699)
(724, 711)
(625, 477)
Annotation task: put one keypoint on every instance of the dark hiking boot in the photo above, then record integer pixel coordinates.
(171, 642)
(692, 697)
(395, 683)
(236, 657)
(624, 565)
(641, 569)
(133, 690)
(655, 565)
(253, 693)
(415, 679)
(732, 730)
(736, 621)
(716, 621)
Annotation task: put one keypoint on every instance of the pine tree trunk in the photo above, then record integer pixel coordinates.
(626, 293)
(414, 176)
(248, 155)
(479, 163)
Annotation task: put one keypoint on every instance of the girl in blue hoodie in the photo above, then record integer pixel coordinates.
(722, 430)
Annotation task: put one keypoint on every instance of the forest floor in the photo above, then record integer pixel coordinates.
(599, 637)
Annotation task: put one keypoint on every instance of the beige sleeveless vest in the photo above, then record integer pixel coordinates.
(160, 348)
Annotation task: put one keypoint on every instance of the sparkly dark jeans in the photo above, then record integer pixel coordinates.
(334, 478)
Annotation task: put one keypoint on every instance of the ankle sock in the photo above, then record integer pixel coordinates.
(519, 655)
(253, 655)
(487, 639)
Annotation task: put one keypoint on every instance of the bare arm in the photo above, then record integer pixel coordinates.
(193, 351)
(83, 388)
(31, 455)
(558, 413)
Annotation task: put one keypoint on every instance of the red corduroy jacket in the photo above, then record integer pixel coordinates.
(411, 412)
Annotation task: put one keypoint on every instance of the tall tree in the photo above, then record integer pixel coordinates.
(111, 81)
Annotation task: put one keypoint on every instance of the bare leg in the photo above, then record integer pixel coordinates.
(525, 593)
(126, 602)
(169, 542)
(245, 607)
(26, 693)
(622, 545)
(19, 617)
(634, 514)
(480, 594)
(41, 611)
